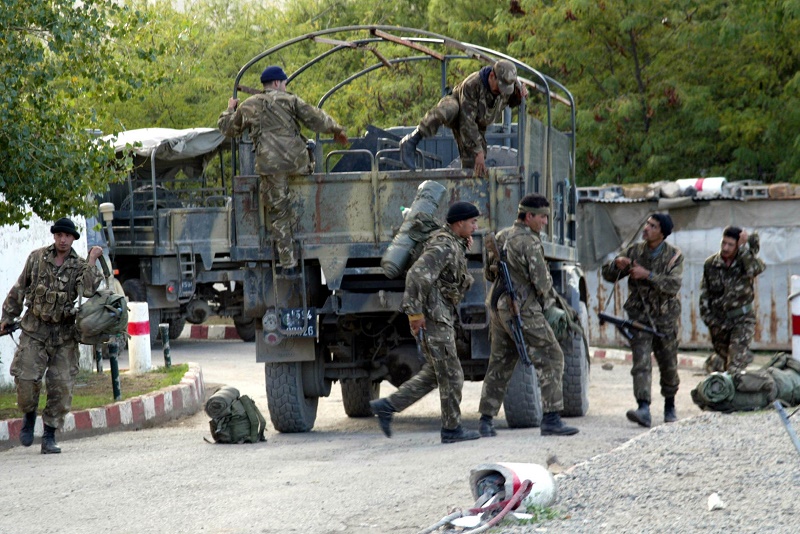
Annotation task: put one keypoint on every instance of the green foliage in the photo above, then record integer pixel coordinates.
(672, 89)
(60, 62)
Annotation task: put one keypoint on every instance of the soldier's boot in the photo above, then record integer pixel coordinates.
(641, 415)
(26, 433)
(486, 428)
(552, 425)
(408, 149)
(458, 434)
(49, 441)
(384, 410)
(669, 410)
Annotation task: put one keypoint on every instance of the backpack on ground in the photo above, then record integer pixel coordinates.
(234, 418)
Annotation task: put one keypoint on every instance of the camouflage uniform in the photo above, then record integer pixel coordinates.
(533, 287)
(726, 304)
(468, 112)
(273, 120)
(654, 302)
(49, 338)
(435, 284)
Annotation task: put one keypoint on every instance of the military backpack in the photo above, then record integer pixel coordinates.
(234, 418)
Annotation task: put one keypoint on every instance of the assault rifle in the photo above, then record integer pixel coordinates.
(10, 328)
(505, 278)
(625, 326)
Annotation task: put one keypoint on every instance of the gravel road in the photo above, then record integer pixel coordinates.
(661, 481)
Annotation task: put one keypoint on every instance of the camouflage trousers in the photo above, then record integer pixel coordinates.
(57, 363)
(446, 113)
(665, 350)
(442, 369)
(732, 342)
(277, 203)
(543, 350)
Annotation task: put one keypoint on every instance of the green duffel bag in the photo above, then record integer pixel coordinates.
(242, 423)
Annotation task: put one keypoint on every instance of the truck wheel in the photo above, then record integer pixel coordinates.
(356, 394)
(523, 402)
(289, 409)
(136, 291)
(246, 328)
(576, 372)
(176, 327)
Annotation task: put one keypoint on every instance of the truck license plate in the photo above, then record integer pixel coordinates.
(293, 323)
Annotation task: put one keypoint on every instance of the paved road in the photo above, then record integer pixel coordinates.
(342, 477)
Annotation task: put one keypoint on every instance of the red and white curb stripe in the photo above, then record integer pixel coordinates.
(186, 398)
(214, 331)
(684, 361)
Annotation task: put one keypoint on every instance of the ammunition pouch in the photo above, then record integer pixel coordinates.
(50, 306)
(738, 312)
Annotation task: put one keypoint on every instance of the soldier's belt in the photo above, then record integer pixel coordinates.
(738, 312)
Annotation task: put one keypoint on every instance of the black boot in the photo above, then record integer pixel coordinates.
(458, 434)
(641, 415)
(384, 410)
(26, 433)
(552, 425)
(49, 441)
(486, 428)
(669, 410)
(408, 149)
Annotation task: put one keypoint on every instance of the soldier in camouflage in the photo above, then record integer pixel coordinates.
(50, 283)
(726, 298)
(435, 284)
(476, 103)
(273, 120)
(521, 245)
(655, 271)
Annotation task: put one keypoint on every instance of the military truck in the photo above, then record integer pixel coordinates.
(168, 228)
(341, 320)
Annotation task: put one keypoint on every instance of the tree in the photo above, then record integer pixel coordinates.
(61, 60)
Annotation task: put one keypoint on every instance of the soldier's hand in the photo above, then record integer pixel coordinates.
(3, 326)
(469, 242)
(622, 262)
(480, 165)
(341, 138)
(743, 238)
(233, 103)
(94, 253)
(638, 272)
(416, 324)
(523, 91)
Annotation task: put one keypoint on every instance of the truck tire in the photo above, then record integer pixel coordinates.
(289, 409)
(176, 327)
(246, 328)
(136, 291)
(356, 394)
(576, 372)
(523, 402)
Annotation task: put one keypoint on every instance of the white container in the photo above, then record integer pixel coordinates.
(543, 493)
(702, 186)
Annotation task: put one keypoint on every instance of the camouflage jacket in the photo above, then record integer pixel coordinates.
(438, 280)
(656, 297)
(478, 109)
(49, 291)
(529, 271)
(273, 120)
(726, 289)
